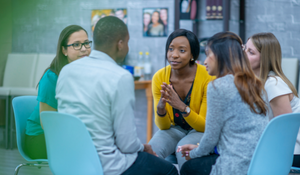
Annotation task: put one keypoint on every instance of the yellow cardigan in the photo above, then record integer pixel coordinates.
(196, 118)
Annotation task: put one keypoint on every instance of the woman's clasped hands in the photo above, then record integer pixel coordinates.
(168, 95)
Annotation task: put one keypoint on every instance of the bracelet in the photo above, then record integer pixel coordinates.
(160, 114)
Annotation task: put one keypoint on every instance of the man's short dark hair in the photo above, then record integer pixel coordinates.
(109, 30)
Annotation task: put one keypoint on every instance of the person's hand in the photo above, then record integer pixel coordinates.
(186, 155)
(172, 98)
(163, 99)
(148, 149)
(185, 150)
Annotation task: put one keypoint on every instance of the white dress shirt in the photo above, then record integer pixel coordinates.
(101, 93)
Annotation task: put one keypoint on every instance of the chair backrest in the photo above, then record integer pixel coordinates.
(23, 106)
(290, 69)
(43, 62)
(69, 145)
(275, 149)
(19, 70)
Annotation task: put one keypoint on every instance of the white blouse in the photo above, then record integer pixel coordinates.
(275, 87)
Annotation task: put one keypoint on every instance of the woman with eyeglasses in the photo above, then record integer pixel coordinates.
(264, 53)
(72, 44)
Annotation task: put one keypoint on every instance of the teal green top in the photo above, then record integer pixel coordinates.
(46, 94)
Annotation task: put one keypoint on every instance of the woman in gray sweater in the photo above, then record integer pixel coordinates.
(236, 112)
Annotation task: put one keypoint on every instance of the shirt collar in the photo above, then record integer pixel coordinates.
(101, 55)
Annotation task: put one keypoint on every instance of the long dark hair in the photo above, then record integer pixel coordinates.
(60, 60)
(193, 41)
(227, 49)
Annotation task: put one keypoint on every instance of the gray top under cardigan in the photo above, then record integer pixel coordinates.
(231, 126)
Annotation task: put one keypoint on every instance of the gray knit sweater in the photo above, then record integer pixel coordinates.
(231, 126)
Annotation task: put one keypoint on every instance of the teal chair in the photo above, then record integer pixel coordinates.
(69, 145)
(23, 106)
(275, 149)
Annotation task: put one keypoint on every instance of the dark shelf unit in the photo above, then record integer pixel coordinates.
(226, 17)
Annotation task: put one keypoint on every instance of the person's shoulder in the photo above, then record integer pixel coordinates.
(224, 80)
(274, 80)
(222, 88)
(202, 73)
(51, 73)
(202, 69)
(123, 72)
(49, 77)
(275, 87)
(48, 83)
(117, 74)
(162, 72)
(123, 79)
(224, 83)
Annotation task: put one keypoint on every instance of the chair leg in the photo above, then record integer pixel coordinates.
(12, 119)
(39, 165)
(7, 118)
(18, 167)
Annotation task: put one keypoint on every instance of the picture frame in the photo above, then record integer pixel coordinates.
(155, 22)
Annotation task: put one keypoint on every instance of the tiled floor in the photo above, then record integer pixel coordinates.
(10, 159)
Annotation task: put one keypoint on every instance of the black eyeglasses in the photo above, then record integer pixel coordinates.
(78, 46)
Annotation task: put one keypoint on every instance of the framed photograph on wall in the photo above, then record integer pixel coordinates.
(98, 14)
(155, 22)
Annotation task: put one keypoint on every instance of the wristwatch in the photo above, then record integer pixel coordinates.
(187, 110)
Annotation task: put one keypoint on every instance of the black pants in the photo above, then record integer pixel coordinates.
(199, 165)
(147, 163)
(296, 160)
(35, 146)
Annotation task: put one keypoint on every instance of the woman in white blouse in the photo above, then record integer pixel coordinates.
(264, 53)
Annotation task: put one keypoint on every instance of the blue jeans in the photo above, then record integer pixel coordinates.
(147, 163)
(165, 142)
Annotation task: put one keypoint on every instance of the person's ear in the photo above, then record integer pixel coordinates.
(64, 51)
(120, 45)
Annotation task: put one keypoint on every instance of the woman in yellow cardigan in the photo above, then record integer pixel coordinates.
(179, 92)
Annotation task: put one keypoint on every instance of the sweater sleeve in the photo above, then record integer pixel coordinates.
(162, 123)
(195, 120)
(214, 122)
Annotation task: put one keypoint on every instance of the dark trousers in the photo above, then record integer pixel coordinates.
(147, 163)
(35, 146)
(199, 165)
(296, 160)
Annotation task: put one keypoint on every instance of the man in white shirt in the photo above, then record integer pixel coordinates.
(101, 94)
